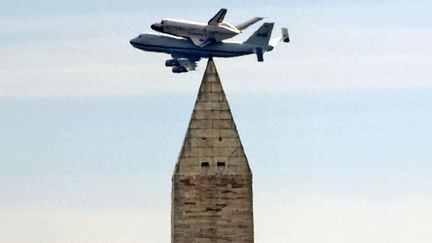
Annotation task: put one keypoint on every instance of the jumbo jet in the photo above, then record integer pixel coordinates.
(202, 34)
(185, 55)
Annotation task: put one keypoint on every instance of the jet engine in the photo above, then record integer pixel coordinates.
(179, 69)
(171, 63)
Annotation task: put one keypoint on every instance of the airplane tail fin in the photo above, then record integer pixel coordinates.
(260, 39)
(218, 18)
(248, 23)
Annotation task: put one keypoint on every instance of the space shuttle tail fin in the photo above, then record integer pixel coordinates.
(218, 18)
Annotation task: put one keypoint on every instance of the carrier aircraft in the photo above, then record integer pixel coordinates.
(185, 54)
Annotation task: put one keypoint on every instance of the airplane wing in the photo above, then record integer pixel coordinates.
(184, 62)
(187, 63)
(218, 18)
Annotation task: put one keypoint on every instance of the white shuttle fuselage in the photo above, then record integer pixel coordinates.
(198, 33)
(202, 34)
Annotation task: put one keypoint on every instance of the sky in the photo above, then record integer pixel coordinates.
(336, 124)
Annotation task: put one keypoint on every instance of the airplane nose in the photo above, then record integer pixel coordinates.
(157, 27)
(133, 41)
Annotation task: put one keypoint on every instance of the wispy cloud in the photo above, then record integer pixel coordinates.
(89, 55)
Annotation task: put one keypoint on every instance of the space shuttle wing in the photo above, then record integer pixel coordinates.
(199, 41)
(196, 40)
(218, 18)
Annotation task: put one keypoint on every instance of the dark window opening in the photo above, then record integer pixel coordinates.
(205, 167)
(221, 164)
(220, 139)
(220, 167)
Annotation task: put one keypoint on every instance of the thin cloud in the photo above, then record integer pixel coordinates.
(89, 55)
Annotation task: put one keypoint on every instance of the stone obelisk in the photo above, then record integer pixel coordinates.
(212, 180)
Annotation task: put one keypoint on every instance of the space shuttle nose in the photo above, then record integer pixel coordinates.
(157, 27)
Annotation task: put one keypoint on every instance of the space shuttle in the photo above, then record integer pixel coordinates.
(202, 34)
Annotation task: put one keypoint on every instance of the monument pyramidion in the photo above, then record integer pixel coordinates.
(212, 180)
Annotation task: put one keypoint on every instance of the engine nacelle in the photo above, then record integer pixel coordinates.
(171, 63)
(179, 69)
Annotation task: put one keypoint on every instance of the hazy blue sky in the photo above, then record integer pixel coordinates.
(337, 124)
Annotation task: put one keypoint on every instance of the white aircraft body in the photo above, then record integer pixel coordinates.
(202, 34)
(185, 55)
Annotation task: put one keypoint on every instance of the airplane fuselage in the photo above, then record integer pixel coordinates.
(177, 46)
